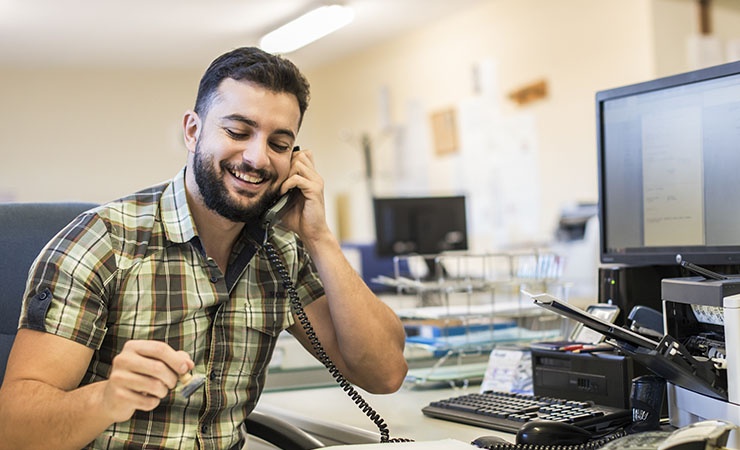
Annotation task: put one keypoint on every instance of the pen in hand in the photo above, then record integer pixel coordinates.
(191, 383)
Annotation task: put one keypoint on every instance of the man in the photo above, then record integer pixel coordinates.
(139, 292)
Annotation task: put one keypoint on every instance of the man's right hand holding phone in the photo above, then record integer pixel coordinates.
(306, 215)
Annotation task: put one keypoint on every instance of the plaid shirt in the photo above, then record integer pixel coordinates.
(135, 269)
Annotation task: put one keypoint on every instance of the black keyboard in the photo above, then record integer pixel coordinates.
(504, 411)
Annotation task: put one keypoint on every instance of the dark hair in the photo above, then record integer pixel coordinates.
(257, 66)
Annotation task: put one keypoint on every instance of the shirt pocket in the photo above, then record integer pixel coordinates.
(270, 315)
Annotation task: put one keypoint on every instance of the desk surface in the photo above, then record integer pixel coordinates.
(332, 416)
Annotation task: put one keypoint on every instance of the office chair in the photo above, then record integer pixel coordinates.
(24, 230)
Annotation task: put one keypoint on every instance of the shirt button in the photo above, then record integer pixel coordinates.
(213, 375)
(42, 296)
(204, 429)
(214, 278)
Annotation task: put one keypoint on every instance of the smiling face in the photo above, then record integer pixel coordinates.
(240, 151)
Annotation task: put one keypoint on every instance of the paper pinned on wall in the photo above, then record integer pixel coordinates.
(500, 166)
(733, 50)
(412, 155)
(704, 51)
(485, 79)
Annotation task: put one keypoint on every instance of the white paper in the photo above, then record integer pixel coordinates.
(500, 169)
(446, 444)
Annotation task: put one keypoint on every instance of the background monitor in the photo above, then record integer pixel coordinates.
(669, 169)
(420, 225)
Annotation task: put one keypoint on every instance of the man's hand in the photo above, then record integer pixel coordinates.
(143, 373)
(42, 404)
(307, 217)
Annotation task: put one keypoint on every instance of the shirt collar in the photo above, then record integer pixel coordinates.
(178, 221)
(175, 212)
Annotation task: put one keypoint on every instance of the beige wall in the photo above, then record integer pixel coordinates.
(90, 135)
(95, 134)
(578, 46)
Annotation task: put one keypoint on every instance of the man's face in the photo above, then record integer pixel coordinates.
(242, 154)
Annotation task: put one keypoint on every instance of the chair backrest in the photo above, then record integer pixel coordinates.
(24, 230)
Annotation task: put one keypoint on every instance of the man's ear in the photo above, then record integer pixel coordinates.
(191, 125)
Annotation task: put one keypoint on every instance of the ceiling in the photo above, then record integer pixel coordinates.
(187, 33)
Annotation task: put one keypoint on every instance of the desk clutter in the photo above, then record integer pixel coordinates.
(694, 368)
(456, 305)
(613, 383)
(642, 415)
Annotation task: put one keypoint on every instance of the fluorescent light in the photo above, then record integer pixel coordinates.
(307, 28)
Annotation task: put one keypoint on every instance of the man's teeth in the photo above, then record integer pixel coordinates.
(246, 177)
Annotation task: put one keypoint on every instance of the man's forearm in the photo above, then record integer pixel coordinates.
(34, 415)
(369, 334)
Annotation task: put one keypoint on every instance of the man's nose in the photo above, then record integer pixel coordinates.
(255, 153)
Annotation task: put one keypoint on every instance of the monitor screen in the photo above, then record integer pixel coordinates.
(420, 225)
(669, 169)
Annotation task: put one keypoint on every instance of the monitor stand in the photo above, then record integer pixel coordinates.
(431, 296)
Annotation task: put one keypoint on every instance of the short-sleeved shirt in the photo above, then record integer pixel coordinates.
(135, 269)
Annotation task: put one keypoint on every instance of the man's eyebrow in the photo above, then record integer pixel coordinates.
(252, 123)
(240, 118)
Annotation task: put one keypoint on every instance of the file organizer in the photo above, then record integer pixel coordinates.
(463, 304)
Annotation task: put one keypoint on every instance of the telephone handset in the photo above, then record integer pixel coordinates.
(274, 213)
(704, 435)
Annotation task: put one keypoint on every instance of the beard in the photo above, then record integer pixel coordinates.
(216, 196)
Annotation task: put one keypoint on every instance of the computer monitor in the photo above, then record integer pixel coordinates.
(420, 225)
(669, 169)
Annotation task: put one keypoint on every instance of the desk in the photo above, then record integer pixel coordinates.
(330, 415)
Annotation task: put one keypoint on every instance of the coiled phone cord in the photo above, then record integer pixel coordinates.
(295, 302)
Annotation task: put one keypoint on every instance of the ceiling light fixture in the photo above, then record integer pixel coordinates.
(307, 28)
